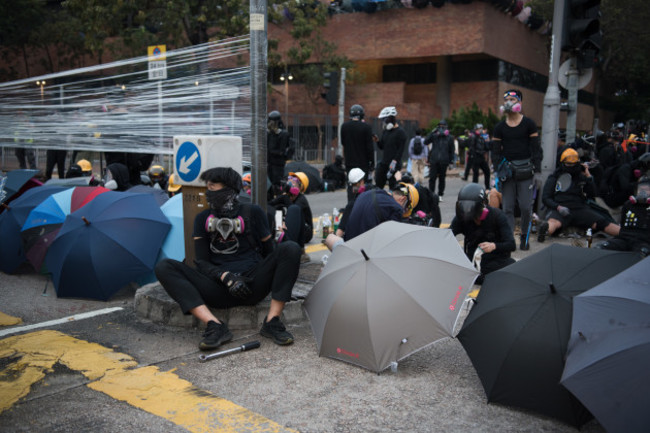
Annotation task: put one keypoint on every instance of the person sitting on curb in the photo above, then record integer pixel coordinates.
(565, 194)
(485, 228)
(373, 208)
(357, 184)
(236, 261)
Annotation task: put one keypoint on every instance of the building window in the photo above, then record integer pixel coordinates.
(411, 73)
(475, 70)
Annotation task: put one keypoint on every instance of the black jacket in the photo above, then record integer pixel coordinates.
(392, 143)
(358, 147)
(278, 147)
(442, 147)
(494, 228)
(573, 192)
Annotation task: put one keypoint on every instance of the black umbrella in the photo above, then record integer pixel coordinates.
(315, 179)
(607, 361)
(517, 333)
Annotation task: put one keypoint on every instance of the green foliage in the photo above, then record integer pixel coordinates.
(466, 118)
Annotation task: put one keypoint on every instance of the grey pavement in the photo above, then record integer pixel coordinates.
(434, 390)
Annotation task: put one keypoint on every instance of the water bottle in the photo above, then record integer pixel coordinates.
(319, 227)
(393, 367)
(335, 220)
(327, 225)
(589, 238)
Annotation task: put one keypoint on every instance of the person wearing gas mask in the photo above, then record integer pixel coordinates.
(392, 142)
(357, 141)
(427, 211)
(117, 177)
(565, 194)
(635, 222)
(487, 234)
(478, 148)
(516, 144)
(279, 149)
(237, 263)
(357, 184)
(440, 156)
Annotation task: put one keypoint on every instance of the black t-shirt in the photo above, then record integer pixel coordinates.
(358, 146)
(246, 256)
(515, 143)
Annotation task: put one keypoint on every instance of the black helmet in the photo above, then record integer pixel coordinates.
(442, 122)
(156, 173)
(472, 199)
(357, 111)
(274, 115)
(408, 178)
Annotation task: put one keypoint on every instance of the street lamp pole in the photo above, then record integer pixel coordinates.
(41, 84)
(286, 77)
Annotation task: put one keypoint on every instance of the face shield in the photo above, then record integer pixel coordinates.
(468, 210)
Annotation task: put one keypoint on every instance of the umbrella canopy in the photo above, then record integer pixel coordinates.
(388, 293)
(607, 362)
(108, 243)
(12, 252)
(517, 333)
(44, 221)
(16, 179)
(72, 181)
(315, 179)
(160, 195)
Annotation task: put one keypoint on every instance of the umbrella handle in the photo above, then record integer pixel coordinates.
(85, 220)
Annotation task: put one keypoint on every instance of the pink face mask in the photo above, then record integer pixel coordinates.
(510, 107)
(294, 191)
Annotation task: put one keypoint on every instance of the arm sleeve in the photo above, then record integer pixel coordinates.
(411, 148)
(536, 152)
(506, 242)
(455, 226)
(590, 187)
(548, 193)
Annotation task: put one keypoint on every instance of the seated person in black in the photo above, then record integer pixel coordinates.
(298, 222)
(334, 174)
(427, 212)
(357, 182)
(236, 263)
(565, 194)
(483, 227)
(635, 223)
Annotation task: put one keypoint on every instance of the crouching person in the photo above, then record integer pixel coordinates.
(237, 263)
(483, 227)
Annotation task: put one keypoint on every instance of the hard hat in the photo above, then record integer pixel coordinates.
(412, 197)
(387, 111)
(85, 165)
(302, 177)
(355, 175)
(156, 172)
(171, 186)
(570, 156)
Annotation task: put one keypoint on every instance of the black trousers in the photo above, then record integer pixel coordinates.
(481, 163)
(55, 157)
(275, 274)
(437, 171)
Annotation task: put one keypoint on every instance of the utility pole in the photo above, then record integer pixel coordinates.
(339, 147)
(259, 64)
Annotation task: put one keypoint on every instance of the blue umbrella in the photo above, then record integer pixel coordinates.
(106, 244)
(12, 253)
(15, 180)
(174, 245)
(159, 194)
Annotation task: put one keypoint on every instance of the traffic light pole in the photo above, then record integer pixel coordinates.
(339, 148)
(572, 88)
(551, 115)
(259, 64)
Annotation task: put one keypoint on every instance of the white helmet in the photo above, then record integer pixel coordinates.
(387, 111)
(355, 175)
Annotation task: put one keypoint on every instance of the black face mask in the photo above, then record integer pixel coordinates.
(223, 202)
(573, 169)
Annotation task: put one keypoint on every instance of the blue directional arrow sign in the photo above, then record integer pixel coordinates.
(188, 161)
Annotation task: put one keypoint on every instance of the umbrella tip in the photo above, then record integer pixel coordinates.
(364, 254)
(85, 220)
(553, 289)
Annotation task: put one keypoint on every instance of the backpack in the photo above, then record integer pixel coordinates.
(417, 146)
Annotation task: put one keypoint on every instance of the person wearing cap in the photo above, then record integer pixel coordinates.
(358, 144)
(442, 152)
(565, 194)
(516, 143)
(374, 207)
(357, 184)
(237, 263)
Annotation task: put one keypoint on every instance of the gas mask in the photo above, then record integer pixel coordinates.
(510, 107)
(389, 123)
(223, 233)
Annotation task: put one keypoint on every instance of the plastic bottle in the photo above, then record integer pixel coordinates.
(327, 225)
(393, 367)
(319, 227)
(589, 238)
(335, 220)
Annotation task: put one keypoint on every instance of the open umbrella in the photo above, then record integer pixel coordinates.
(315, 179)
(106, 244)
(517, 333)
(607, 363)
(44, 221)
(388, 293)
(160, 195)
(12, 252)
(16, 180)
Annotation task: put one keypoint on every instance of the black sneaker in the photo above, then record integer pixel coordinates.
(524, 246)
(215, 335)
(275, 330)
(542, 232)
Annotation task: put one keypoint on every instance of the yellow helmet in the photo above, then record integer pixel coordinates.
(304, 180)
(85, 165)
(171, 186)
(412, 197)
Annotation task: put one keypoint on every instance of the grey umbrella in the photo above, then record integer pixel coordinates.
(607, 362)
(388, 293)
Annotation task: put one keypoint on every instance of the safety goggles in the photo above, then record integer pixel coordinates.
(512, 94)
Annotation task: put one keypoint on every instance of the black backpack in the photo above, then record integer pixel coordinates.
(417, 146)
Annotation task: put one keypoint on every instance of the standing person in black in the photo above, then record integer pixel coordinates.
(55, 157)
(485, 228)
(358, 147)
(440, 156)
(516, 140)
(479, 154)
(392, 142)
(279, 149)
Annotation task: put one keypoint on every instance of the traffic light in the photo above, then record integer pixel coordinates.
(331, 86)
(582, 26)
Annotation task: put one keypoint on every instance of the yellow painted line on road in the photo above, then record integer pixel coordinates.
(7, 320)
(31, 356)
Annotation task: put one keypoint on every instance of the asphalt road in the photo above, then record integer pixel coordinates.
(118, 372)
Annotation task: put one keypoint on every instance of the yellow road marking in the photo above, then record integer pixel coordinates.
(32, 356)
(7, 320)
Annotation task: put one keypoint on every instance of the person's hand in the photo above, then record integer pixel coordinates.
(563, 210)
(375, 138)
(487, 247)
